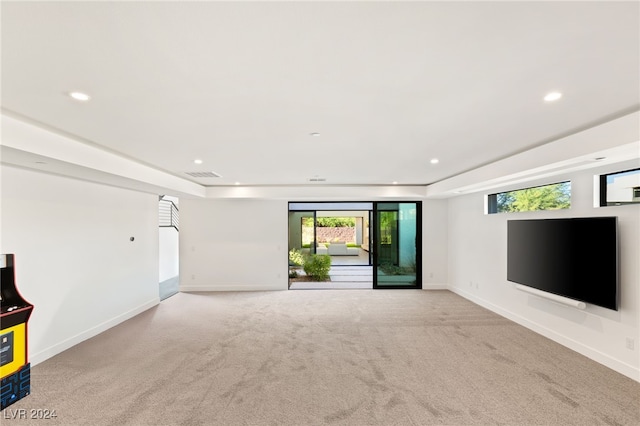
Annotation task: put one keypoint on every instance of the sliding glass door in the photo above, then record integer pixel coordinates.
(397, 245)
(374, 243)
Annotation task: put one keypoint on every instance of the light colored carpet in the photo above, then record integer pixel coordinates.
(367, 357)
(331, 285)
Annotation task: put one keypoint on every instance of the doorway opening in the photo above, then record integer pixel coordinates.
(168, 244)
(366, 244)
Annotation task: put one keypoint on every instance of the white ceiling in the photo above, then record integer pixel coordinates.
(388, 85)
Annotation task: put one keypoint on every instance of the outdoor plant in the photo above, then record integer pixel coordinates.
(546, 197)
(317, 266)
(296, 257)
(390, 269)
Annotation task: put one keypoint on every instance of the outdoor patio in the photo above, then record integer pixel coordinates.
(342, 277)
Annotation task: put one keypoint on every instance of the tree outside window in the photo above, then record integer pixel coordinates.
(555, 196)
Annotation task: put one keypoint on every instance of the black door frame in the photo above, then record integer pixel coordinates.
(418, 243)
(373, 252)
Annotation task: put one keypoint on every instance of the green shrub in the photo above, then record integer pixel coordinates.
(296, 257)
(317, 266)
(390, 269)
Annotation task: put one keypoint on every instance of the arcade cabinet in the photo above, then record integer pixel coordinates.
(15, 378)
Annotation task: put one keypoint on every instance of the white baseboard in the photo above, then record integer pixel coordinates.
(434, 286)
(51, 351)
(604, 359)
(232, 287)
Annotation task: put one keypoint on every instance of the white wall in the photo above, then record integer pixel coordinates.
(233, 244)
(74, 260)
(241, 244)
(477, 271)
(435, 272)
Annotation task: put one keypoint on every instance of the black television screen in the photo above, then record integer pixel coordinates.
(574, 257)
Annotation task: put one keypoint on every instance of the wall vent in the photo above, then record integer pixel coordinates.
(317, 179)
(203, 174)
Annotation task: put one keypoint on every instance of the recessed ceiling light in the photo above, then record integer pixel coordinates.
(237, 183)
(434, 161)
(316, 134)
(197, 161)
(395, 182)
(553, 96)
(79, 96)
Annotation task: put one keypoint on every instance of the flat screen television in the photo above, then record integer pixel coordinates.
(572, 257)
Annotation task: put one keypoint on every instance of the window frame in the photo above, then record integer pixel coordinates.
(491, 204)
(603, 189)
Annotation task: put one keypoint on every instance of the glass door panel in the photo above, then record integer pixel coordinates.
(369, 236)
(302, 231)
(308, 231)
(397, 245)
